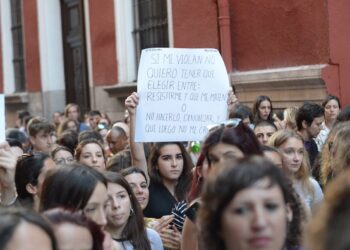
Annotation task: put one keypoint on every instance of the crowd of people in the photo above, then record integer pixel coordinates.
(259, 180)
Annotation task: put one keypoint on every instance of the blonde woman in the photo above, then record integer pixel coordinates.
(326, 166)
(295, 164)
(289, 118)
(339, 151)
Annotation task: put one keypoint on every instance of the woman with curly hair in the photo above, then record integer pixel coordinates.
(330, 228)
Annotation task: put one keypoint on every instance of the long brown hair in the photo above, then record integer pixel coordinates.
(134, 230)
(185, 178)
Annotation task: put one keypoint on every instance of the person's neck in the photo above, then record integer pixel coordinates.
(329, 123)
(170, 185)
(303, 133)
(36, 203)
(116, 233)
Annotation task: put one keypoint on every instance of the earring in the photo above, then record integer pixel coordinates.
(131, 211)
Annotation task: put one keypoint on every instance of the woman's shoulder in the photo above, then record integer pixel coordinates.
(317, 191)
(154, 239)
(316, 186)
(152, 233)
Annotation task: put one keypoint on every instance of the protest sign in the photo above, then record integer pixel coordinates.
(181, 92)
(2, 118)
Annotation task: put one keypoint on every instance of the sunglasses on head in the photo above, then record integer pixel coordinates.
(231, 123)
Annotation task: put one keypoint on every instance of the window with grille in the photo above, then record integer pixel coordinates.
(17, 40)
(151, 24)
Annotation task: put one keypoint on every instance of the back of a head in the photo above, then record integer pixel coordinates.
(59, 216)
(69, 139)
(344, 115)
(122, 126)
(12, 218)
(289, 117)
(241, 111)
(69, 187)
(28, 168)
(119, 161)
(341, 145)
(330, 228)
(16, 134)
(239, 135)
(90, 134)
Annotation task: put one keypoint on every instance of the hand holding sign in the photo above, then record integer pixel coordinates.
(181, 92)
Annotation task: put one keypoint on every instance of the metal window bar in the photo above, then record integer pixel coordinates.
(17, 42)
(151, 24)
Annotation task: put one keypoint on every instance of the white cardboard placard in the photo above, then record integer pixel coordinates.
(181, 92)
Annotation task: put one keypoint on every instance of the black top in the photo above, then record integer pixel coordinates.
(161, 202)
(311, 148)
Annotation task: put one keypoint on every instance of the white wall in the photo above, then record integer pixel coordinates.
(7, 48)
(125, 47)
(51, 48)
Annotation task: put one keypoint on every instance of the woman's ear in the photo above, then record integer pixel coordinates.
(31, 189)
(289, 213)
(198, 171)
(304, 124)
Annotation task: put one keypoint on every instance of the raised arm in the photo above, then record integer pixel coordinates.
(7, 174)
(137, 151)
(232, 101)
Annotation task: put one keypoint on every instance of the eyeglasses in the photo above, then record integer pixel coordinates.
(63, 161)
(229, 123)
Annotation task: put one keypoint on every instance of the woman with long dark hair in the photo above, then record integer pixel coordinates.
(262, 109)
(125, 219)
(79, 188)
(169, 171)
(29, 176)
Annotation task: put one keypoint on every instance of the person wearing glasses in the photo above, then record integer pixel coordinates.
(62, 155)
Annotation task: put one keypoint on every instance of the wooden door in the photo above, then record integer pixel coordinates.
(75, 64)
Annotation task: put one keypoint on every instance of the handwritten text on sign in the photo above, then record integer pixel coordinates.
(181, 92)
